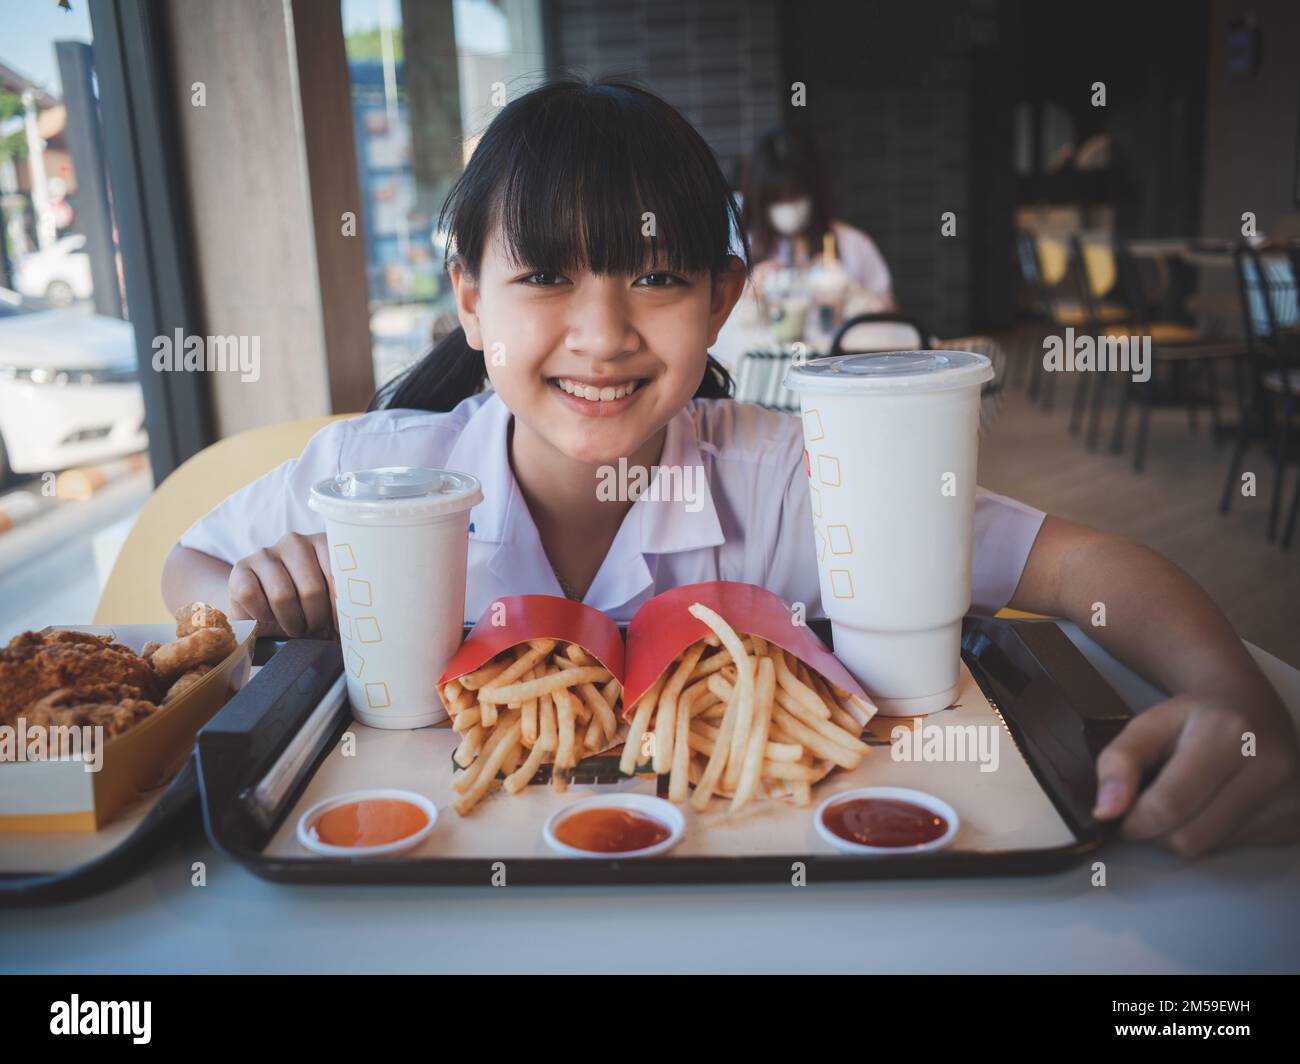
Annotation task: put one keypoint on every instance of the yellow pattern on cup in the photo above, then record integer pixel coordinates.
(812, 426)
(841, 541)
(841, 583)
(828, 470)
(355, 662)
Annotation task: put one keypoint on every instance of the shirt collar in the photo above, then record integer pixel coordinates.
(480, 450)
(682, 520)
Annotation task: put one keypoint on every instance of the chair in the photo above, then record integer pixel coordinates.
(133, 592)
(990, 393)
(1267, 287)
(1068, 287)
(1188, 356)
(840, 346)
(760, 374)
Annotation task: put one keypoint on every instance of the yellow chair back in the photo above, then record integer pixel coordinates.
(1099, 261)
(1053, 259)
(133, 592)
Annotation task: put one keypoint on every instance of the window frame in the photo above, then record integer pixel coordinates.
(143, 152)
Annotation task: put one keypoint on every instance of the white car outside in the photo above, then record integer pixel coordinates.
(59, 274)
(69, 391)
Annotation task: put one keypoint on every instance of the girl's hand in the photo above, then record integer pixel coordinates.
(288, 588)
(1208, 793)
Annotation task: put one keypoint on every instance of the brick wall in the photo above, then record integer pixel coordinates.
(888, 97)
(716, 62)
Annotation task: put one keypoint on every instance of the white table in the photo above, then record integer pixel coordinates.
(1230, 912)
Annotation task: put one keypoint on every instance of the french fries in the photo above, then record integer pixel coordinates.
(541, 701)
(743, 718)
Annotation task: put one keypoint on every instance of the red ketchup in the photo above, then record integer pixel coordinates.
(608, 830)
(884, 822)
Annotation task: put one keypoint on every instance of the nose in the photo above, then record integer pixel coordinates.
(599, 326)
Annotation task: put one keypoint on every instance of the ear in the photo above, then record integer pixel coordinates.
(727, 287)
(467, 296)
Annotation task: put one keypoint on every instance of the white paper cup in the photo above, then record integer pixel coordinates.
(399, 543)
(892, 445)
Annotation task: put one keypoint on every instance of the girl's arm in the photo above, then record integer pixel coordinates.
(287, 588)
(192, 576)
(1208, 786)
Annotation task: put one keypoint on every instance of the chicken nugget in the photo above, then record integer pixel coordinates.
(187, 681)
(206, 646)
(194, 616)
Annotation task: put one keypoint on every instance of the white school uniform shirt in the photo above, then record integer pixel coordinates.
(752, 524)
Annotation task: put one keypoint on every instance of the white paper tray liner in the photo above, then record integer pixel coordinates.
(1001, 810)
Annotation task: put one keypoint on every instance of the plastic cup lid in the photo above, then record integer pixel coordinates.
(892, 372)
(395, 493)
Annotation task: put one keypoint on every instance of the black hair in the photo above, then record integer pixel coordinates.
(786, 164)
(565, 174)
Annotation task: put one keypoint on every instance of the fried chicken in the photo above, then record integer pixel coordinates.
(74, 707)
(34, 665)
(72, 678)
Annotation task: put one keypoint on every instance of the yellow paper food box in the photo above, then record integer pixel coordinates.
(61, 795)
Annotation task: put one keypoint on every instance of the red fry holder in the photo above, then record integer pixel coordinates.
(664, 627)
(515, 619)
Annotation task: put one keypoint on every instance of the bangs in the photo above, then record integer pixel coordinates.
(605, 177)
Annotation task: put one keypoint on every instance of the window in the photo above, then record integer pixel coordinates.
(73, 468)
(418, 108)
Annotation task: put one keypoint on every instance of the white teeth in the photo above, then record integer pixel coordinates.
(594, 394)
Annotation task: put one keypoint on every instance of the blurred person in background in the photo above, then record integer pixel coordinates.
(787, 213)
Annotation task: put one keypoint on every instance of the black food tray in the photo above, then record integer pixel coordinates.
(1058, 709)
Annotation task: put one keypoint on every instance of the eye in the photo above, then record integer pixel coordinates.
(542, 279)
(660, 280)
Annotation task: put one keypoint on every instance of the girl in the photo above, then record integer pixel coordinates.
(590, 235)
(788, 211)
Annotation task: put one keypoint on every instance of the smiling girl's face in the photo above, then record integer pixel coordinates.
(592, 366)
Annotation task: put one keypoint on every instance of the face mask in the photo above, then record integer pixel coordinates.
(790, 217)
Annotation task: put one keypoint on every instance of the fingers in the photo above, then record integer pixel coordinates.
(1143, 744)
(248, 600)
(301, 561)
(323, 557)
(278, 596)
(1205, 757)
(1219, 819)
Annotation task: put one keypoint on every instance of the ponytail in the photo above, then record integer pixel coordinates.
(446, 374)
(451, 371)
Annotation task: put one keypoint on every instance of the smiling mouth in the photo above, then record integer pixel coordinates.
(595, 394)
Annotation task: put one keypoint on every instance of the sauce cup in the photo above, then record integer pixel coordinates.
(647, 805)
(387, 849)
(899, 794)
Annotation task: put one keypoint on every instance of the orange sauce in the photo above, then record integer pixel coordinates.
(608, 830)
(369, 822)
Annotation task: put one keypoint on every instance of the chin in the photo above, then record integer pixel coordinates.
(604, 451)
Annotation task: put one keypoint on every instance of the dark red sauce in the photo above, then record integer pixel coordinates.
(884, 822)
